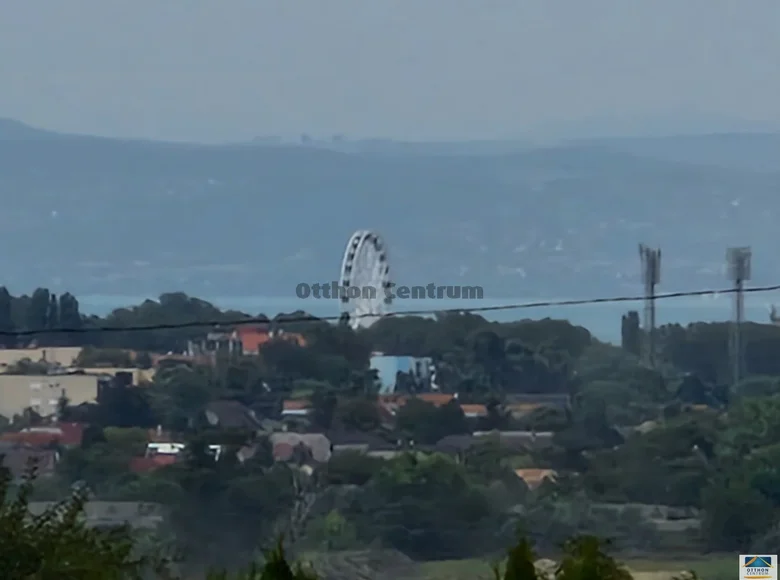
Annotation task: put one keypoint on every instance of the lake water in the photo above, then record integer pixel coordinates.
(603, 320)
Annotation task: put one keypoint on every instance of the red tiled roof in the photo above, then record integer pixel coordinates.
(296, 405)
(31, 439)
(148, 464)
(72, 433)
(253, 338)
(69, 434)
(437, 399)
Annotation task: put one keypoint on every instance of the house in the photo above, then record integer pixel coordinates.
(161, 452)
(535, 477)
(437, 399)
(520, 405)
(389, 404)
(253, 338)
(226, 342)
(138, 375)
(296, 408)
(175, 449)
(18, 459)
(64, 356)
(231, 415)
(174, 359)
(518, 440)
(65, 434)
(474, 411)
(285, 444)
(42, 393)
(158, 435)
(246, 340)
(455, 445)
(419, 370)
(138, 515)
(153, 463)
(367, 443)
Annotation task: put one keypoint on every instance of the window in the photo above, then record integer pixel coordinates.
(35, 402)
(35, 386)
(53, 402)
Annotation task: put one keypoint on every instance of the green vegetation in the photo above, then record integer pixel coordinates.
(59, 544)
(551, 432)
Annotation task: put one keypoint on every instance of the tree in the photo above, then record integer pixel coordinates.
(53, 313)
(585, 559)
(70, 319)
(37, 316)
(6, 319)
(324, 404)
(332, 532)
(58, 543)
(735, 515)
(143, 360)
(178, 393)
(359, 414)
(425, 423)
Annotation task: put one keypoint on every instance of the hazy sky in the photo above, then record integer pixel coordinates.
(232, 69)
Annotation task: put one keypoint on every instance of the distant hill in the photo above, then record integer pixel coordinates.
(751, 151)
(11, 130)
(131, 217)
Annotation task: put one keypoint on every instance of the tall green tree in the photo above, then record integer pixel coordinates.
(584, 559)
(53, 321)
(70, 318)
(37, 316)
(6, 318)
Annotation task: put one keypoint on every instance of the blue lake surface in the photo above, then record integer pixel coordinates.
(603, 320)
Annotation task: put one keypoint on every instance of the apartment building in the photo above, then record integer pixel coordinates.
(42, 393)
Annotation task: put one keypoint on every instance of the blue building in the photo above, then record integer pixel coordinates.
(388, 367)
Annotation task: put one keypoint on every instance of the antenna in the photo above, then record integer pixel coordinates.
(651, 276)
(738, 271)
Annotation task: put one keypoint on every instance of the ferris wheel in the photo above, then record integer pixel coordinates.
(365, 279)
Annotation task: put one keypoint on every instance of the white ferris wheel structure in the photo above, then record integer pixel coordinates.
(365, 279)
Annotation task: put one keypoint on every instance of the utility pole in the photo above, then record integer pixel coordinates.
(651, 277)
(738, 271)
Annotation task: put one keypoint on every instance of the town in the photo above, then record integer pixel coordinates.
(219, 431)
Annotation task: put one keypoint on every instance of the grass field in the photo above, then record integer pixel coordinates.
(707, 568)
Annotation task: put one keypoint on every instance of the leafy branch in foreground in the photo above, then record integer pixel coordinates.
(58, 543)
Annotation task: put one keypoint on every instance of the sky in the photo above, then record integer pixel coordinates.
(231, 70)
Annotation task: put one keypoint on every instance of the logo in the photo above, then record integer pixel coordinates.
(758, 567)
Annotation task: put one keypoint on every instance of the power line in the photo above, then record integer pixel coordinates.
(311, 318)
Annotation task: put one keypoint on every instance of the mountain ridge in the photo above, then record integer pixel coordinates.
(108, 216)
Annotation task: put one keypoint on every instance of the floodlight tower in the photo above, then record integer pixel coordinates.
(738, 271)
(651, 277)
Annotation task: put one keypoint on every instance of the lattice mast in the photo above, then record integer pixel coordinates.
(651, 276)
(738, 266)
